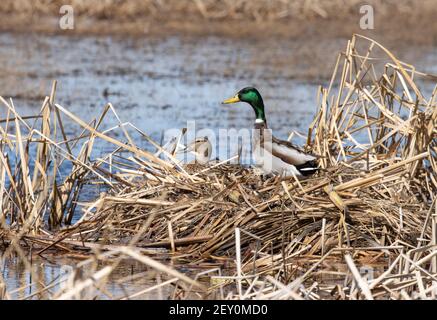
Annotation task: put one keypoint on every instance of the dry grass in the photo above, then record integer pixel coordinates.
(213, 9)
(373, 205)
(396, 21)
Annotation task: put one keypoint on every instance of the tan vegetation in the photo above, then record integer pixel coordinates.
(372, 205)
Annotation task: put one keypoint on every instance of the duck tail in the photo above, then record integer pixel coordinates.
(308, 168)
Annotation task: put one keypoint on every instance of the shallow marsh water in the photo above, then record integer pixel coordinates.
(160, 84)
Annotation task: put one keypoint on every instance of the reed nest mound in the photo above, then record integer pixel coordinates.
(372, 204)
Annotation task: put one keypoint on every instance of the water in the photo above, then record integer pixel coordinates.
(160, 84)
(155, 84)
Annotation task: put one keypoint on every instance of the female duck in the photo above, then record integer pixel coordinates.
(272, 155)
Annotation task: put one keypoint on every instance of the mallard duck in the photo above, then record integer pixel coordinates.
(271, 155)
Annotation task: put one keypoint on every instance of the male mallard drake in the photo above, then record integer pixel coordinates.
(272, 155)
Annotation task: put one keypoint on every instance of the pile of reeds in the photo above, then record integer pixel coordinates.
(365, 226)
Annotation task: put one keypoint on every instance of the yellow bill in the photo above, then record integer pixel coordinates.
(232, 100)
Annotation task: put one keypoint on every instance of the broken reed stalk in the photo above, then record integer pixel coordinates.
(372, 205)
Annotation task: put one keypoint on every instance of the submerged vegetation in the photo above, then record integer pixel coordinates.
(220, 230)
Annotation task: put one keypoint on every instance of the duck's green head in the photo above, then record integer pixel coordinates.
(251, 96)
